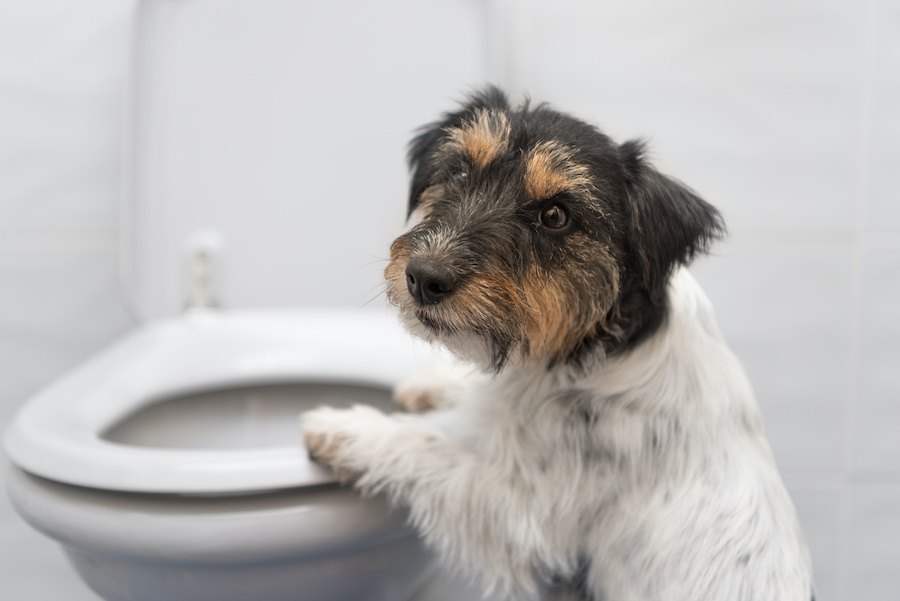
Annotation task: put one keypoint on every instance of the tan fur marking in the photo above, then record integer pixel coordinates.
(482, 298)
(549, 170)
(483, 138)
(395, 273)
(427, 199)
(550, 326)
(431, 194)
(555, 317)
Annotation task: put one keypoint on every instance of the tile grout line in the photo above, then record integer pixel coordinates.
(869, 33)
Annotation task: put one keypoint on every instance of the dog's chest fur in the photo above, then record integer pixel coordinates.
(646, 477)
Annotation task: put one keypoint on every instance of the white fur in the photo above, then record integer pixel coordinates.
(437, 385)
(647, 478)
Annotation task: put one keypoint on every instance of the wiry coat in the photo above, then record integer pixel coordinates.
(626, 463)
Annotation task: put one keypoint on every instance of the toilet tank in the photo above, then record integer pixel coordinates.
(267, 149)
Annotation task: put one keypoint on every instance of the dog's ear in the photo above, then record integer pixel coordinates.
(669, 224)
(428, 138)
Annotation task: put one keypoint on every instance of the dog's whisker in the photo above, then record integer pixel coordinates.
(382, 285)
(376, 257)
(379, 294)
(369, 263)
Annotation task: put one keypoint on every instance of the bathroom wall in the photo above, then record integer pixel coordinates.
(61, 81)
(786, 114)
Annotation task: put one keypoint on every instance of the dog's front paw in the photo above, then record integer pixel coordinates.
(433, 387)
(322, 434)
(337, 437)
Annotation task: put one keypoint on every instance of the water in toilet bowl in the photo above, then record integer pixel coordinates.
(246, 417)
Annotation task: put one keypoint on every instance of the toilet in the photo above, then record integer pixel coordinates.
(263, 184)
(169, 466)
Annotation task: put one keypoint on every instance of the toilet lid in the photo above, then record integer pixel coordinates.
(59, 434)
(270, 136)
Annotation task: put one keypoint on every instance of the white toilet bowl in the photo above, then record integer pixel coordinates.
(170, 466)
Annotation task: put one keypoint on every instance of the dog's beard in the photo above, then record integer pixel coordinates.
(480, 329)
(485, 345)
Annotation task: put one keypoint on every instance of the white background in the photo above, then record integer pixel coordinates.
(784, 113)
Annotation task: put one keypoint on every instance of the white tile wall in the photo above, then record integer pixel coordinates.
(61, 67)
(820, 509)
(778, 80)
(785, 113)
(877, 435)
(61, 76)
(884, 149)
(59, 304)
(874, 545)
(783, 307)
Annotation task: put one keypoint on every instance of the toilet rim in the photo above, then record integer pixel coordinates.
(57, 434)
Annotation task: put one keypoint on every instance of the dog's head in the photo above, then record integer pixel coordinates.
(534, 237)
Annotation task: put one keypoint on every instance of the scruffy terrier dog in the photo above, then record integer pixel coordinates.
(607, 445)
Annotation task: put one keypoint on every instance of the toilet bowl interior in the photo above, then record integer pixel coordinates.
(209, 403)
(245, 417)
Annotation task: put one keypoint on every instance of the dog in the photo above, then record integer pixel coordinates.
(597, 440)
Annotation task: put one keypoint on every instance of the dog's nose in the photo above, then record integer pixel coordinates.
(428, 281)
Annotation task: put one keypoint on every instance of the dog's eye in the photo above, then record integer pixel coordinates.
(554, 217)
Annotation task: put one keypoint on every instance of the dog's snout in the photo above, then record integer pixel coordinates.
(428, 281)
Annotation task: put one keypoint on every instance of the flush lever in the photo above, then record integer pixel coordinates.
(204, 251)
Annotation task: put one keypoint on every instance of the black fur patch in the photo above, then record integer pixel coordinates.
(604, 274)
(429, 136)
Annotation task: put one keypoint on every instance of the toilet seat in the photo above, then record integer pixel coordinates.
(57, 435)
